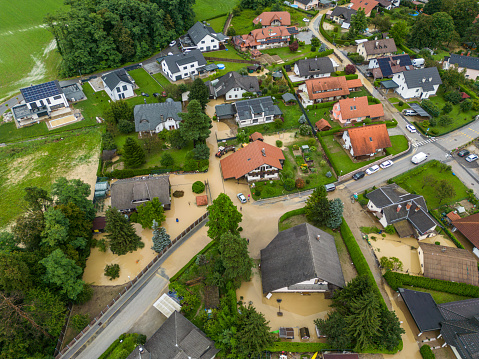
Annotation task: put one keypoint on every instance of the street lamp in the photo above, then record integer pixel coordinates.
(280, 314)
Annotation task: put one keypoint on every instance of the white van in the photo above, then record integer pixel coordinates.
(418, 158)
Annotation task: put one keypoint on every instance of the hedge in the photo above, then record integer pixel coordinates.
(217, 16)
(192, 260)
(448, 232)
(352, 77)
(358, 259)
(288, 80)
(327, 36)
(321, 105)
(407, 50)
(398, 280)
(426, 352)
(469, 92)
(328, 153)
(372, 99)
(127, 173)
(294, 212)
(297, 347)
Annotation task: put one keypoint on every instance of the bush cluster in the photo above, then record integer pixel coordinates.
(426, 352)
(198, 187)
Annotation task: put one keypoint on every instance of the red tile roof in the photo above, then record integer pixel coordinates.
(366, 5)
(321, 88)
(201, 200)
(323, 125)
(358, 107)
(367, 139)
(453, 216)
(256, 136)
(465, 95)
(265, 18)
(249, 158)
(266, 33)
(469, 227)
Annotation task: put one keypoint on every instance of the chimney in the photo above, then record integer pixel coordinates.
(430, 79)
(417, 208)
(408, 205)
(398, 208)
(423, 79)
(161, 116)
(263, 152)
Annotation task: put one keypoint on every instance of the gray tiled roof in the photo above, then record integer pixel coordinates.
(246, 108)
(380, 46)
(316, 66)
(424, 78)
(183, 59)
(423, 309)
(113, 78)
(178, 338)
(233, 80)
(296, 255)
(345, 12)
(388, 198)
(198, 32)
(148, 116)
(468, 62)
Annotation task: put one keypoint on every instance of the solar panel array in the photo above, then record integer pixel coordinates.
(384, 65)
(38, 92)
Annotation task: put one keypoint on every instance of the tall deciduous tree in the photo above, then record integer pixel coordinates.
(196, 124)
(422, 32)
(160, 239)
(133, 154)
(37, 198)
(7, 242)
(335, 213)
(444, 31)
(74, 191)
(121, 234)
(63, 274)
(224, 217)
(464, 12)
(149, 212)
(28, 228)
(15, 272)
(199, 92)
(359, 23)
(399, 31)
(444, 190)
(235, 258)
(56, 228)
(317, 207)
(119, 110)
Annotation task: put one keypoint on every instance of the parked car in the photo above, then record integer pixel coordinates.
(359, 175)
(144, 94)
(156, 94)
(173, 43)
(372, 169)
(305, 19)
(410, 112)
(418, 158)
(241, 197)
(330, 187)
(463, 153)
(472, 158)
(386, 164)
(411, 128)
(170, 54)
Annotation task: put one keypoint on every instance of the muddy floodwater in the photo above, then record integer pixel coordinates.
(298, 310)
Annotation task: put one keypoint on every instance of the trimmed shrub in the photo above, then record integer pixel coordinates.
(288, 184)
(178, 194)
(112, 271)
(297, 347)
(198, 187)
(304, 130)
(299, 183)
(279, 143)
(426, 352)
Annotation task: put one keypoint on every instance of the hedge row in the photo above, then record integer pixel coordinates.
(294, 212)
(297, 347)
(288, 80)
(127, 173)
(217, 16)
(372, 99)
(389, 124)
(469, 92)
(328, 153)
(407, 50)
(398, 280)
(358, 259)
(352, 77)
(192, 260)
(448, 232)
(426, 352)
(326, 35)
(321, 105)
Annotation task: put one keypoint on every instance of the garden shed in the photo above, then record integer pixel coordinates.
(286, 333)
(305, 149)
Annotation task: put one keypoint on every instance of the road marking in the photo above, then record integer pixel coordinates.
(422, 143)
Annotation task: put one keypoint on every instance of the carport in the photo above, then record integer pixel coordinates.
(389, 85)
(419, 110)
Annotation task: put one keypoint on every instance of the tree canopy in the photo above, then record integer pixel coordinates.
(235, 258)
(199, 92)
(149, 212)
(121, 234)
(224, 217)
(133, 154)
(317, 207)
(196, 124)
(74, 191)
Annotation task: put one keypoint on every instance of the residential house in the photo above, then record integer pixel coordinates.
(376, 48)
(366, 141)
(177, 338)
(356, 109)
(469, 227)
(387, 4)
(40, 101)
(256, 136)
(420, 83)
(232, 86)
(307, 4)
(448, 263)
(249, 112)
(258, 161)
(203, 38)
(387, 66)
(155, 117)
(327, 89)
(405, 211)
(264, 38)
(452, 216)
(129, 193)
(366, 5)
(314, 68)
(342, 16)
(461, 62)
(322, 125)
(273, 18)
(118, 85)
(183, 65)
(301, 259)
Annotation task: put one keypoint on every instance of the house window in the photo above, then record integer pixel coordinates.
(236, 95)
(202, 41)
(41, 102)
(124, 87)
(212, 40)
(184, 67)
(118, 89)
(192, 66)
(48, 101)
(57, 97)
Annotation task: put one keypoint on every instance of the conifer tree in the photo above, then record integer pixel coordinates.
(133, 154)
(121, 234)
(160, 239)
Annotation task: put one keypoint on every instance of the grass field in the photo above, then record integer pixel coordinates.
(39, 163)
(412, 181)
(399, 143)
(206, 9)
(218, 23)
(439, 297)
(225, 54)
(25, 54)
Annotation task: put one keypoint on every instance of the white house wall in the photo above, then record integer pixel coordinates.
(60, 100)
(209, 43)
(407, 93)
(254, 121)
(185, 70)
(168, 124)
(235, 93)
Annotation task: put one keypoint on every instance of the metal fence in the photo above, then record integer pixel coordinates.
(128, 286)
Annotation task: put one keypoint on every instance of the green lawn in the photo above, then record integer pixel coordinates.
(341, 159)
(39, 163)
(412, 181)
(225, 54)
(128, 343)
(440, 55)
(95, 103)
(360, 93)
(286, 55)
(218, 23)
(162, 79)
(317, 114)
(459, 117)
(229, 66)
(206, 9)
(439, 297)
(291, 115)
(399, 143)
(146, 84)
(401, 108)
